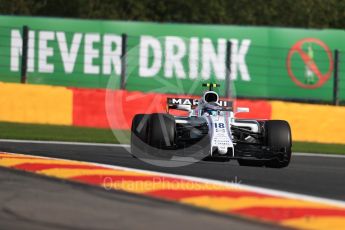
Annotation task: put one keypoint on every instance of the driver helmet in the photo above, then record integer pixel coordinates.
(211, 108)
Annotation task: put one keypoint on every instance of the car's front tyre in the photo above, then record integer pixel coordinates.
(162, 135)
(278, 137)
(251, 163)
(139, 134)
(162, 130)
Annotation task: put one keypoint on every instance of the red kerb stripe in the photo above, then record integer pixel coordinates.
(280, 214)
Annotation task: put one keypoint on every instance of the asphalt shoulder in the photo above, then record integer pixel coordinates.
(34, 202)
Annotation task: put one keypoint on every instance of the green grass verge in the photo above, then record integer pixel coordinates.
(57, 133)
(78, 134)
(308, 147)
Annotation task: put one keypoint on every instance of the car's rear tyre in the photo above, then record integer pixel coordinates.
(139, 134)
(278, 137)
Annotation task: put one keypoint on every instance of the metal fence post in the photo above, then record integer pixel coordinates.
(123, 61)
(24, 67)
(228, 69)
(336, 78)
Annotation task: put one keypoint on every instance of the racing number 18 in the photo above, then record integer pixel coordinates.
(219, 125)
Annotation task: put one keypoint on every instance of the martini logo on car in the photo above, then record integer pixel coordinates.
(309, 63)
(193, 102)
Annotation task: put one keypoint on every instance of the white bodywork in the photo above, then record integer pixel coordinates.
(219, 124)
(220, 133)
(220, 129)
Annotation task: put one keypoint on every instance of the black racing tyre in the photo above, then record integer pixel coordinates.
(139, 126)
(278, 133)
(161, 136)
(278, 137)
(162, 131)
(251, 163)
(282, 162)
(139, 133)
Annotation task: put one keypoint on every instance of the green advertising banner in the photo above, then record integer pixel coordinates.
(265, 62)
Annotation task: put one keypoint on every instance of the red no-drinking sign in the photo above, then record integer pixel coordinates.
(296, 49)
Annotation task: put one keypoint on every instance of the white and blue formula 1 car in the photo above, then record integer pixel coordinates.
(212, 130)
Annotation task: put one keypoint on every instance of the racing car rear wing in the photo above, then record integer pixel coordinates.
(173, 103)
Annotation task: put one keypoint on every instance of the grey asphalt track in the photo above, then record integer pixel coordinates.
(318, 176)
(32, 202)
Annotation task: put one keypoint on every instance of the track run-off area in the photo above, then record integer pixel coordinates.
(309, 194)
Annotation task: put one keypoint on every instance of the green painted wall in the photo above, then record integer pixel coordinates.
(266, 62)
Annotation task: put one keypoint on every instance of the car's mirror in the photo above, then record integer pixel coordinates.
(242, 110)
(184, 107)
